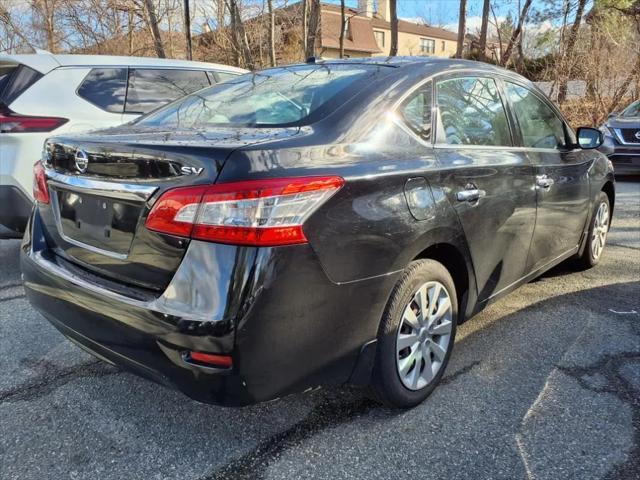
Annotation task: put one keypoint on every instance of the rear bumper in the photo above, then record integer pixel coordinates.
(287, 329)
(15, 208)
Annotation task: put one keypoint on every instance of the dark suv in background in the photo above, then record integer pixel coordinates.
(622, 135)
(311, 224)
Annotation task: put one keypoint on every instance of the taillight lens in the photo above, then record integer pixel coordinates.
(257, 212)
(11, 122)
(40, 190)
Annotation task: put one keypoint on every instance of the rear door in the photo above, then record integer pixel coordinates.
(489, 181)
(561, 171)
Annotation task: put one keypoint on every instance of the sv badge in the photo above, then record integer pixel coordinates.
(191, 170)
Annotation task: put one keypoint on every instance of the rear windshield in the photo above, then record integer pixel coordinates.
(15, 80)
(286, 96)
(632, 110)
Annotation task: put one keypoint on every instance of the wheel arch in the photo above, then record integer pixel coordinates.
(458, 265)
(610, 189)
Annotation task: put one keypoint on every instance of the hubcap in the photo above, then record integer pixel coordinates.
(424, 335)
(600, 229)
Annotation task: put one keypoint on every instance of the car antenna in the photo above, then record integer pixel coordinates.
(314, 59)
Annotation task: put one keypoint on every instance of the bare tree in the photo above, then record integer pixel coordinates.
(239, 35)
(486, 7)
(567, 56)
(515, 35)
(462, 20)
(272, 33)
(393, 11)
(313, 28)
(153, 26)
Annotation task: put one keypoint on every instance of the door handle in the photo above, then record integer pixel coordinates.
(470, 194)
(544, 181)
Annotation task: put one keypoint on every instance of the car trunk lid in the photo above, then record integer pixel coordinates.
(102, 187)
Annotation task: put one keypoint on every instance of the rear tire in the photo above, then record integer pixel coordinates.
(416, 335)
(597, 235)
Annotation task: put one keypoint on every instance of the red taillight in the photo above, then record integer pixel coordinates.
(11, 122)
(257, 212)
(210, 359)
(40, 190)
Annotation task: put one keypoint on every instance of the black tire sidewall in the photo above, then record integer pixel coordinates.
(386, 379)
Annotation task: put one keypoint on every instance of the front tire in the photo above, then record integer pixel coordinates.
(416, 335)
(597, 235)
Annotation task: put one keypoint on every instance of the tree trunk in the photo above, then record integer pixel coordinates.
(516, 32)
(462, 20)
(343, 24)
(568, 54)
(305, 28)
(187, 30)
(153, 26)
(484, 27)
(313, 28)
(220, 13)
(393, 11)
(272, 33)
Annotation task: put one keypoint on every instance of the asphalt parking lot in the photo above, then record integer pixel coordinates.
(544, 384)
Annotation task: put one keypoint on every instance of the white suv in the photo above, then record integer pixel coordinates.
(45, 93)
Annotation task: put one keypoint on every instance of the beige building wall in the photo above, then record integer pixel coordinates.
(409, 44)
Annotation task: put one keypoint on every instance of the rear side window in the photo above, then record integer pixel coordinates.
(470, 112)
(106, 88)
(149, 89)
(14, 81)
(416, 111)
(539, 124)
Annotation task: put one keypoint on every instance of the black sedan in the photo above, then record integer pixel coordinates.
(315, 224)
(622, 138)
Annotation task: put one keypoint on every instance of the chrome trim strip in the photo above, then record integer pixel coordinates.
(618, 132)
(124, 191)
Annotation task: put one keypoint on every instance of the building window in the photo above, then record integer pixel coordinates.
(379, 38)
(443, 46)
(427, 46)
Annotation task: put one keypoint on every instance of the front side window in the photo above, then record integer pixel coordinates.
(470, 112)
(539, 124)
(283, 96)
(427, 46)
(416, 111)
(106, 88)
(151, 88)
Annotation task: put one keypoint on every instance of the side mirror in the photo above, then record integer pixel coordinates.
(589, 138)
(613, 114)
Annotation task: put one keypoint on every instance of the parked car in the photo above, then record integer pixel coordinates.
(42, 94)
(622, 136)
(312, 224)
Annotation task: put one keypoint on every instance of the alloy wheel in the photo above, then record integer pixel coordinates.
(423, 335)
(600, 229)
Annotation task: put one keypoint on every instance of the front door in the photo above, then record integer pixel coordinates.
(562, 178)
(489, 181)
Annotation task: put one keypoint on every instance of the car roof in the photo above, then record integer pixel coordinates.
(45, 62)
